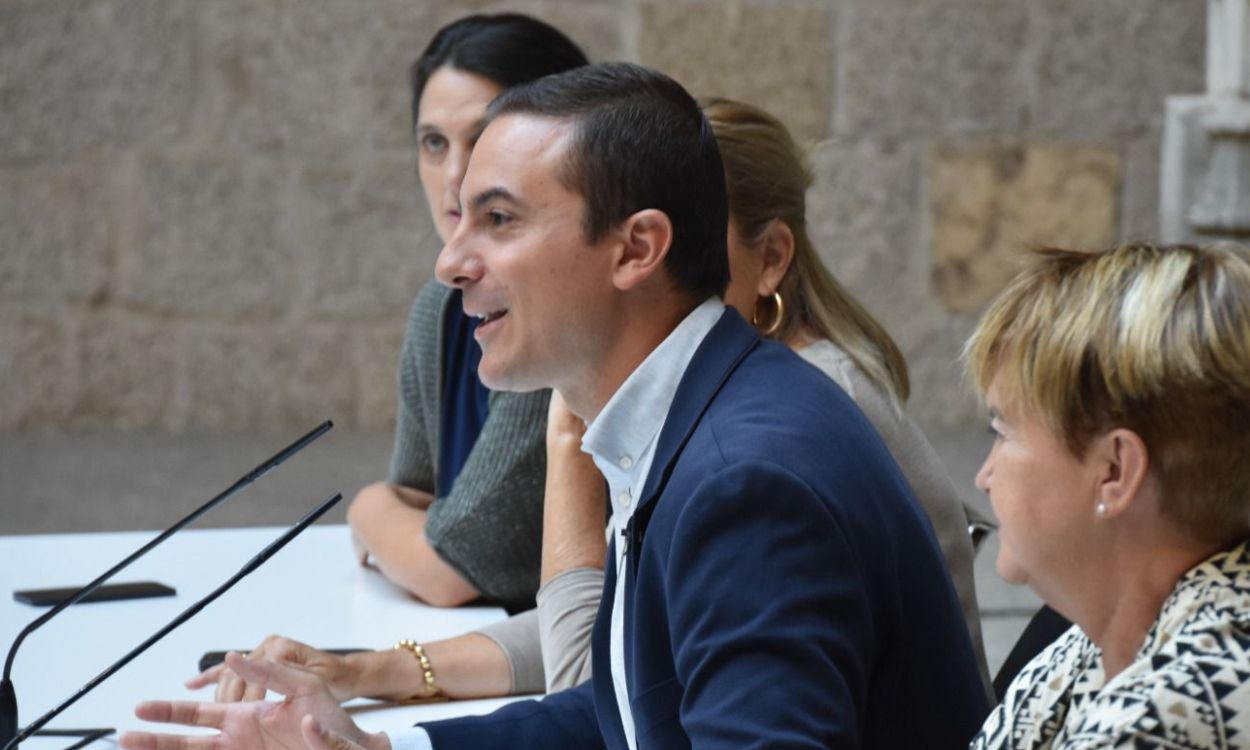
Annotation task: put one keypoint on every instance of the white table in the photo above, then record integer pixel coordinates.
(310, 590)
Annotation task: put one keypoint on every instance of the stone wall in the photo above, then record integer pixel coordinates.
(210, 220)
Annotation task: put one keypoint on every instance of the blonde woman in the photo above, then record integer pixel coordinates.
(1119, 392)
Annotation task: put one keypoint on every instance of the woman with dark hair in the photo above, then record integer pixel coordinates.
(466, 65)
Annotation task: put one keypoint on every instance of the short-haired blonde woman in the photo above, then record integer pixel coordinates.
(1119, 392)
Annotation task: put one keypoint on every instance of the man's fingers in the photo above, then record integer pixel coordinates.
(314, 734)
(205, 678)
(317, 737)
(189, 713)
(152, 741)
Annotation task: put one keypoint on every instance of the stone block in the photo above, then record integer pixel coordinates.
(931, 343)
(375, 350)
(1103, 69)
(776, 56)
(313, 77)
(363, 240)
(1139, 212)
(230, 378)
(1184, 160)
(235, 378)
(90, 73)
(1228, 49)
(923, 67)
(321, 382)
(988, 203)
(54, 235)
(127, 365)
(36, 357)
(862, 211)
(207, 238)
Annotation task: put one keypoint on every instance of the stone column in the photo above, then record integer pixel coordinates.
(1205, 171)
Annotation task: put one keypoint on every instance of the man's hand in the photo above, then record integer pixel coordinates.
(337, 672)
(317, 737)
(309, 717)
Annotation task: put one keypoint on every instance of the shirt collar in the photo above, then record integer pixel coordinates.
(620, 436)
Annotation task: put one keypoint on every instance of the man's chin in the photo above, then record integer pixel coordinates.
(498, 379)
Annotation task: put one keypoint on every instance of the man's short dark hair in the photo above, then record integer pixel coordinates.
(639, 141)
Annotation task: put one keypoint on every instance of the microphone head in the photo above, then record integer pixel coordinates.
(8, 712)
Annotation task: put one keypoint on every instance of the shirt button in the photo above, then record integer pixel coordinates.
(626, 462)
(624, 499)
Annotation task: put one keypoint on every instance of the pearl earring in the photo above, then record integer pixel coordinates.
(1101, 509)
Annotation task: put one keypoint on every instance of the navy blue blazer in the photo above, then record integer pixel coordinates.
(783, 588)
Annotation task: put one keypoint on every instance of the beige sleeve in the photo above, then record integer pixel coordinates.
(518, 638)
(567, 606)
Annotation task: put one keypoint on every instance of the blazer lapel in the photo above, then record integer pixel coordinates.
(716, 358)
(606, 709)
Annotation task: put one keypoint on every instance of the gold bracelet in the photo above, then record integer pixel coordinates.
(427, 671)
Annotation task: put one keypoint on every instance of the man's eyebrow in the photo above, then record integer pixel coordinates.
(490, 194)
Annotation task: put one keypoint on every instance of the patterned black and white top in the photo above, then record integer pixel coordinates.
(1189, 686)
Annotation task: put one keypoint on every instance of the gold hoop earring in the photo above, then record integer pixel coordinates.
(779, 315)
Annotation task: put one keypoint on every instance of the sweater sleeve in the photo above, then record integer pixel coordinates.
(567, 606)
(517, 637)
(548, 648)
(489, 527)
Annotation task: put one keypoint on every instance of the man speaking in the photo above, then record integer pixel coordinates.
(771, 582)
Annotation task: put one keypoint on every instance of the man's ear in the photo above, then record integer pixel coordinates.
(1124, 466)
(645, 239)
(777, 254)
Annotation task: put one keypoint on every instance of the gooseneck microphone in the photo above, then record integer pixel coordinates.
(8, 693)
(186, 614)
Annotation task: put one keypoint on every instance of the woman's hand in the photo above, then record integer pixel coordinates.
(338, 673)
(564, 428)
(574, 506)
